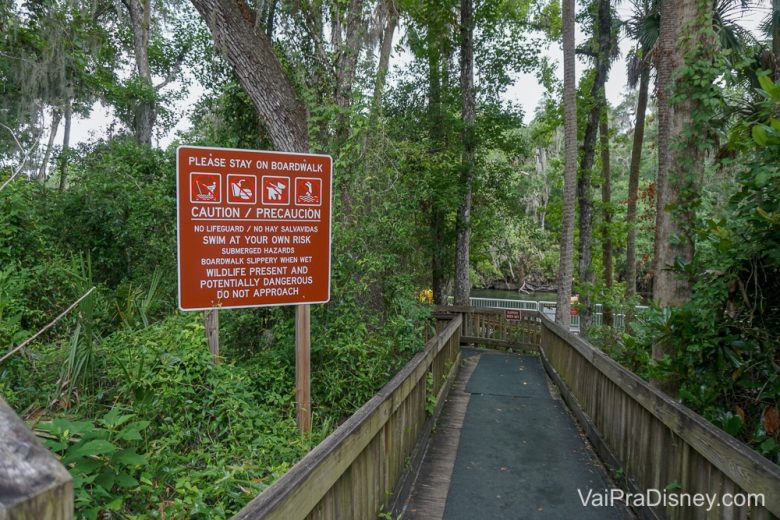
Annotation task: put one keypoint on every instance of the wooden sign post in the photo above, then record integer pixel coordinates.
(303, 367)
(254, 230)
(212, 333)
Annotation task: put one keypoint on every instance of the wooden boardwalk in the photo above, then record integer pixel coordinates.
(429, 497)
(506, 447)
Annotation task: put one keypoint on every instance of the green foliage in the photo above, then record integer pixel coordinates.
(102, 457)
(723, 345)
(120, 211)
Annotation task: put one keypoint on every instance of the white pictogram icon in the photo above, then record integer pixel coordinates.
(275, 191)
(308, 191)
(242, 189)
(205, 188)
(241, 192)
(206, 191)
(308, 196)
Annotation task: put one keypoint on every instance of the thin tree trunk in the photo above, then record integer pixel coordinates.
(463, 222)
(64, 154)
(346, 65)
(542, 165)
(269, 24)
(606, 201)
(633, 188)
(348, 50)
(145, 112)
(55, 126)
(776, 37)
(436, 223)
(385, 50)
(584, 187)
(261, 74)
(566, 266)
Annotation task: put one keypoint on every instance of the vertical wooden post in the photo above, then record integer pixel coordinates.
(303, 367)
(34, 483)
(212, 333)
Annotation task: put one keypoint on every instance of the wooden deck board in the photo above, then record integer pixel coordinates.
(429, 494)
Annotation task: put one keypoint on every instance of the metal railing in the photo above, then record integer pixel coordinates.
(548, 309)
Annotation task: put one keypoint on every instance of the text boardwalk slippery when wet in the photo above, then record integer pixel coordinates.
(253, 228)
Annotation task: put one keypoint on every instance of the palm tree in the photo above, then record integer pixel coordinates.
(643, 27)
(566, 266)
(680, 167)
(771, 28)
(605, 50)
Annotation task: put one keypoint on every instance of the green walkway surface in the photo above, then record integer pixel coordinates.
(518, 454)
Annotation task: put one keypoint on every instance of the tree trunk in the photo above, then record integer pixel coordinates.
(633, 188)
(606, 201)
(269, 24)
(541, 169)
(385, 50)
(776, 37)
(56, 117)
(675, 162)
(684, 26)
(566, 266)
(346, 65)
(463, 222)
(64, 154)
(584, 188)
(436, 223)
(145, 111)
(259, 71)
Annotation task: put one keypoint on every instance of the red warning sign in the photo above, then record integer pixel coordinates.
(253, 228)
(513, 315)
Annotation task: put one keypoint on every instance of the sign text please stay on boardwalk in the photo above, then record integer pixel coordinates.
(253, 227)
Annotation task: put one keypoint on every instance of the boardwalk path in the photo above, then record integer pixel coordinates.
(505, 448)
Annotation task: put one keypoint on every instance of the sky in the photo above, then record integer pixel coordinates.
(526, 90)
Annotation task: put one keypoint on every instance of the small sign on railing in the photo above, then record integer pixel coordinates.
(513, 314)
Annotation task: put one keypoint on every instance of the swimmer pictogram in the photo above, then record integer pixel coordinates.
(308, 191)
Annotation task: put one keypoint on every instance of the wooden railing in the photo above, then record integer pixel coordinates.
(499, 328)
(33, 483)
(654, 441)
(362, 467)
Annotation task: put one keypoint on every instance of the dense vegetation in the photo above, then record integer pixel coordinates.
(428, 161)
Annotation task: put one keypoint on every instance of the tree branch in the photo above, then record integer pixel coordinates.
(25, 158)
(47, 327)
(172, 74)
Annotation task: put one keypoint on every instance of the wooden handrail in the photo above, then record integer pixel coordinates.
(33, 483)
(751, 472)
(305, 485)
